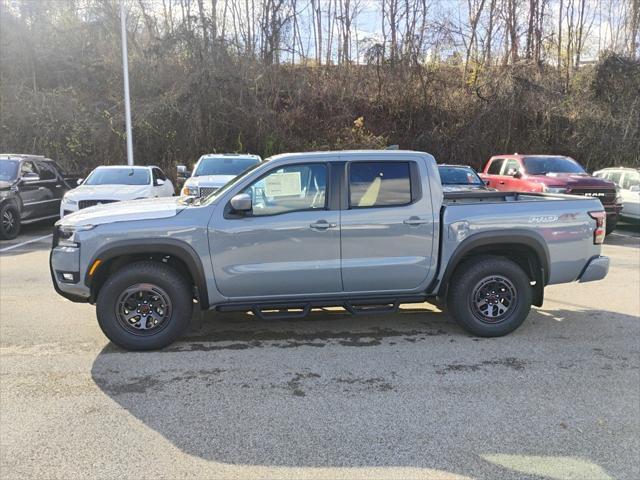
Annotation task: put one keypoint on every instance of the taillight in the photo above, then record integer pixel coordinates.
(601, 227)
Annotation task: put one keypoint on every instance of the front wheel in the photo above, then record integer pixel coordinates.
(144, 306)
(489, 296)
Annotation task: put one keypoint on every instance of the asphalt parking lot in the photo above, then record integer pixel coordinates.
(389, 396)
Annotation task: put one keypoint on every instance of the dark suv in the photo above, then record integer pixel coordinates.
(31, 188)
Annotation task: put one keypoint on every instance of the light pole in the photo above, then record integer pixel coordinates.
(125, 68)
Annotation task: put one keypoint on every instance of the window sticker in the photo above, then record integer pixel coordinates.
(283, 184)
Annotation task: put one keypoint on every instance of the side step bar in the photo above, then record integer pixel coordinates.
(297, 310)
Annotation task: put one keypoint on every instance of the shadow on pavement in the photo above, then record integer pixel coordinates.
(338, 391)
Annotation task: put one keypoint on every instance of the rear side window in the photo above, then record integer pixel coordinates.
(631, 180)
(379, 184)
(495, 166)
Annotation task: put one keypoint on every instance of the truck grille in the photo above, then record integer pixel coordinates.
(92, 203)
(605, 195)
(206, 191)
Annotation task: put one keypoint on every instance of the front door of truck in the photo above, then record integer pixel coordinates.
(387, 228)
(288, 244)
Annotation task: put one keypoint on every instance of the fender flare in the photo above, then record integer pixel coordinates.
(167, 246)
(528, 238)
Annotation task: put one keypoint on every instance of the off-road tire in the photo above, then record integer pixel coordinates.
(466, 287)
(165, 279)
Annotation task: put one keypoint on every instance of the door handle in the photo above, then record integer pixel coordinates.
(322, 225)
(413, 221)
(501, 182)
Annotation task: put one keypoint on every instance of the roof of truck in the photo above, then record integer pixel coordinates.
(333, 153)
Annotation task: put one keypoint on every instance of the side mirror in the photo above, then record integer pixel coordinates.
(486, 182)
(182, 171)
(517, 174)
(159, 182)
(241, 202)
(80, 180)
(30, 177)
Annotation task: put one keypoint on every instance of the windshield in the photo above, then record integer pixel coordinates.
(544, 165)
(223, 166)
(118, 176)
(459, 176)
(8, 170)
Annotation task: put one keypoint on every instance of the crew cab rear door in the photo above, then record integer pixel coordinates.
(387, 235)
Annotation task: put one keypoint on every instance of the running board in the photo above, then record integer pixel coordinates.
(296, 310)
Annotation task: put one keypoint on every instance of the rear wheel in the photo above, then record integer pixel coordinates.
(611, 225)
(144, 306)
(489, 296)
(9, 222)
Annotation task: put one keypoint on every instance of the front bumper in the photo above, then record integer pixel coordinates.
(596, 269)
(66, 260)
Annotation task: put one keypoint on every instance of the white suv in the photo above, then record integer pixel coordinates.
(110, 184)
(628, 182)
(213, 171)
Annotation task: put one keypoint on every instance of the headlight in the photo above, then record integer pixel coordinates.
(68, 234)
(190, 191)
(555, 189)
(68, 201)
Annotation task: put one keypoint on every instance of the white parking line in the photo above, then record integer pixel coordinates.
(33, 240)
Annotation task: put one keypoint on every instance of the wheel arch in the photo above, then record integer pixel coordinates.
(526, 248)
(176, 253)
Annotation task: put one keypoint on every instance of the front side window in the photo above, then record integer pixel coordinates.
(631, 180)
(511, 166)
(496, 165)
(289, 189)
(118, 176)
(27, 167)
(615, 177)
(379, 184)
(223, 166)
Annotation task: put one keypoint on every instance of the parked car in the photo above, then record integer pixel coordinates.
(551, 174)
(109, 184)
(628, 182)
(31, 187)
(213, 171)
(365, 230)
(460, 178)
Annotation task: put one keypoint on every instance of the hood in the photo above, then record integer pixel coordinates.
(146, 209)
(572, 180)
(465, 188)
(108, 192)
(216, 181)
(4, 185)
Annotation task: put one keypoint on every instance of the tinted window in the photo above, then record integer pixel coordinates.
(8, 169)
(458, 176)
(118, 176)
(289, 189)
(223, 166)
(158, 175)
(46, 171)
(494, 168)
(379, 184)
(544, 165)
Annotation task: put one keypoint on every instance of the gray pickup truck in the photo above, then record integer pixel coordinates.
(364, 230)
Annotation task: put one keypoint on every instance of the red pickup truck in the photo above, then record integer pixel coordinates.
(552, 174)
